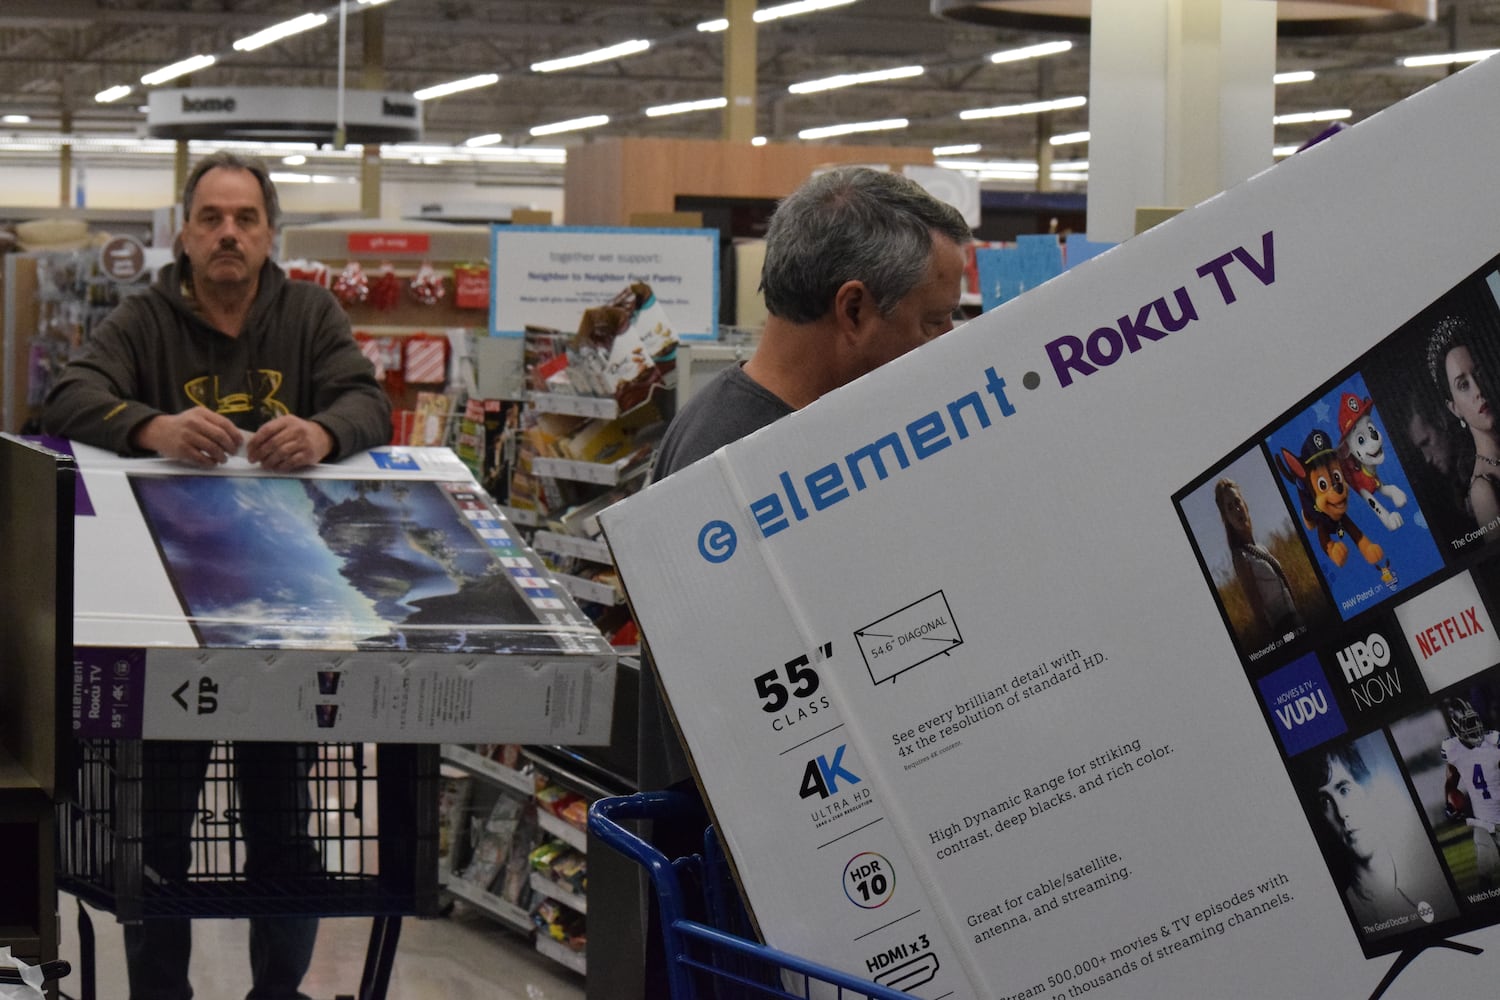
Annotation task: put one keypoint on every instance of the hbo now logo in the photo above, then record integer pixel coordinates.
(1358, 659)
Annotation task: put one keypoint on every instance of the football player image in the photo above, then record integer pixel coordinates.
(1472, 787)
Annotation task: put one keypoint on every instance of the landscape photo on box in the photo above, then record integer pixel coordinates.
(1136, 638)
(340, 564)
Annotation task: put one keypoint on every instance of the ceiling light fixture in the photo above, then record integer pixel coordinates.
(189, 65)
(1295, 76)
(1069, 138)
(467, 83)
(277, 32)
(1031, 52)
(571, 125)
(1303, 117)
(488, 139)
(826, 131)
(682, 107)
(717, 24)
(792, 9)
(963, 150)
(113, 93)
(854, 79)
(1447, 58)
(1030, 108)
(605, 54)
(759, 140)
(15, 119)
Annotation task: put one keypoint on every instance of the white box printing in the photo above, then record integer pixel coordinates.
(981, 702)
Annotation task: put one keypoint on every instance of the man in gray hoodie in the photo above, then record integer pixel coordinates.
(223, 351)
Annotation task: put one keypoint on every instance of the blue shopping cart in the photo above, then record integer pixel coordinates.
(704, 927)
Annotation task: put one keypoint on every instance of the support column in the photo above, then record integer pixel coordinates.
(1180, 104)
(372, 77)
(739, 71)
(65, 162)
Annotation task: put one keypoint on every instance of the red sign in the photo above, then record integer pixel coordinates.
(381, 244)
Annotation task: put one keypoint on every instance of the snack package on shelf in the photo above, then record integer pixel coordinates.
(494, 841)
(626, 347)
(554, 799)
(453, 805)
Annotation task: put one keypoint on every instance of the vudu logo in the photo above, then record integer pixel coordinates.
(717, 541)
(1298, 700)
(1359, 659)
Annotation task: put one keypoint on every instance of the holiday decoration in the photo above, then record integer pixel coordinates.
(352, 286)
(427, 285)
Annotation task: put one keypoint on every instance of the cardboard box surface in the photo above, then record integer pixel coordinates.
(382, 598)
(947, 649)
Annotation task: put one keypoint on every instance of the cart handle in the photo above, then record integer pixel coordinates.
(604, 822)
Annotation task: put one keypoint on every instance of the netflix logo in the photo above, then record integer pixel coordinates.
(1450, 632)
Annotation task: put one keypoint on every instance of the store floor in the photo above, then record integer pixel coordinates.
(458, 957)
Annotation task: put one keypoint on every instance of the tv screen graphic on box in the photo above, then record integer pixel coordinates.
(1352, 548)
(356, 564)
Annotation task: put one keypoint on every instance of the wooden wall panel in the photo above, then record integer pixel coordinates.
(606, 182)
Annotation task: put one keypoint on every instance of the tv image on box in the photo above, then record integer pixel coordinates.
(356, 564)
(1385, 712)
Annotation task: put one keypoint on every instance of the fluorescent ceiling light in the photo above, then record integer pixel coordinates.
(852, 79)
(372, 3)
(791, 9)
(1031, 108)
(277, 32)
(1030, 52)
(282, 177)
(1295, 76)
(113, 93)
(605, 54)
(189, 65)
(1447, 58)
(759, 140)
(488, 139)
(682, 107)
(1303, 117)
(571, 125)
(825, 131)
(295, 160)
(467, 83)
(717, 24)
(15, 119)
(963, 150)
(1069, 138)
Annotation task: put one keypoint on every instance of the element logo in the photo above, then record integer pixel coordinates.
(717, 541)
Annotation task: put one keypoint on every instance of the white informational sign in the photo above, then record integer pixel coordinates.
(380, 598)
(1135, 639)
(548, 275)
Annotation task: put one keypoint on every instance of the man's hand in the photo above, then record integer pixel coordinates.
(289, 443)
(198, 437)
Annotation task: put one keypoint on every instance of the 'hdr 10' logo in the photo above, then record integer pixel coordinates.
(822, 776)
(1359, 659)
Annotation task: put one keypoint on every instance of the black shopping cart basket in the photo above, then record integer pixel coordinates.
(702, 922)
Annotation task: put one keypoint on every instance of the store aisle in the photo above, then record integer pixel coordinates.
(460, 957)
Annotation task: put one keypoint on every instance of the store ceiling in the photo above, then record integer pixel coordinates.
(56, 54)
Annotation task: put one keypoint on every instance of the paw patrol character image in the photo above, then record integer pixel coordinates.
(1361, 450)
(1319, 477)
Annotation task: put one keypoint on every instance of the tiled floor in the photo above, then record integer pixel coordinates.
(460, 957)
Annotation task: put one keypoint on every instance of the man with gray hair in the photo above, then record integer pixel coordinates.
(861, 266)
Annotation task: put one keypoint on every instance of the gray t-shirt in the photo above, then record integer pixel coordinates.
(730, 406)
